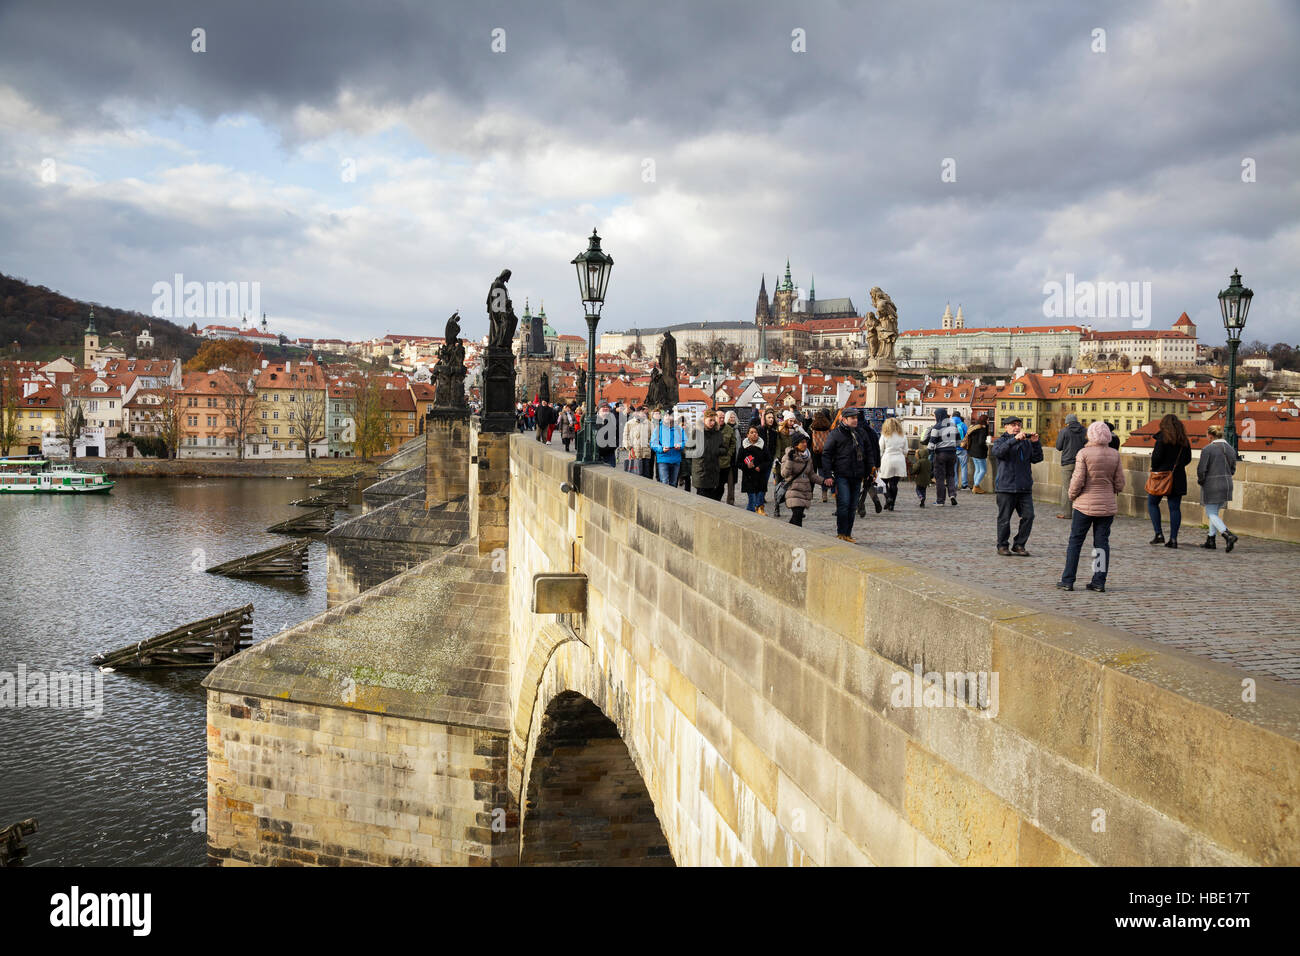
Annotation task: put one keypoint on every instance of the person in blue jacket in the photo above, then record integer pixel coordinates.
(1016, 451)
(667, 441)
(963, 479)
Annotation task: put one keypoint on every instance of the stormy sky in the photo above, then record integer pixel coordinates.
(373, 166)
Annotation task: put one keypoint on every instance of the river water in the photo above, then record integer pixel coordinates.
(84, 574)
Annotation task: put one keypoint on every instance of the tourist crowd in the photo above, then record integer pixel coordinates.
(782, 459)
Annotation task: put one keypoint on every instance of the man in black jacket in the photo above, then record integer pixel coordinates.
(1071, 439)
(871, 451)
(844, 463)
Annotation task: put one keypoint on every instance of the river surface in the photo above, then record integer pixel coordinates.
(89, 573)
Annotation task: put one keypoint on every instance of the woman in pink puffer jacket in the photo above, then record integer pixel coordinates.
(1098, 479)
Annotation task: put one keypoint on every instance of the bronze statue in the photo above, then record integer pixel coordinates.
(668, 369)
(582, 385)
(502, 321)
(449, 373)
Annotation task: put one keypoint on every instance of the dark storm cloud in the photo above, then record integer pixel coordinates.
(1114, 165)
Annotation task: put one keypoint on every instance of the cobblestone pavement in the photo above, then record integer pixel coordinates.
(1238, 609)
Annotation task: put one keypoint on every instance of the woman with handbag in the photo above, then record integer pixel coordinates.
(1169, 460)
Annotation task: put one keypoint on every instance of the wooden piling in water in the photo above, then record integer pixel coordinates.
(12, 848)
(318, 520)
(282, 561)
(200, 644)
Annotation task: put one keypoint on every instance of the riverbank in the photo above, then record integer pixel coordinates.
(231, 468)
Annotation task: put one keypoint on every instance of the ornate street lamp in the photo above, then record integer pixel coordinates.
(1234, 303)
(593, 268)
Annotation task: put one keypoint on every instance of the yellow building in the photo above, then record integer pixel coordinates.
(291, 412)
(1128, 400)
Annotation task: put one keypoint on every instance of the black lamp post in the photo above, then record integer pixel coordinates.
(593, 268)
(1234, 303)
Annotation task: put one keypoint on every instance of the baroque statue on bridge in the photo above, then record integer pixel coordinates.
(882, 326)
(502, 321)
(449, 372)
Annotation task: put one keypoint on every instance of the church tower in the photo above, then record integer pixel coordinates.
(947, 316)
(762, 312)
(91, 341)
(783, 299)
(961, 319)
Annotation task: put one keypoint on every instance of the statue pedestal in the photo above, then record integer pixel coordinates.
(882, 384)
(498, 390)
(447, 471)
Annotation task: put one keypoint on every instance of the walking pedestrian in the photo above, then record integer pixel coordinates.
(1069, 443)
(871, 449)
(667, 442)
(786, 432)
(605, 427)
(753, 469)
(683, 473)
(770, 433)
(1214, 474)
(731, 426)
(797, 472)
(820, 428)
(962, 429)
(708, 457)
(1095, 484)
(636, 435)
(921, 474)
(1168, 479)
(977, 446)
(568, 426)
(893, 459)
(845, 463)
(942, 439)
(1016, 451)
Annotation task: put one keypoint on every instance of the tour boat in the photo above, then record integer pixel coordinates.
(28, 476)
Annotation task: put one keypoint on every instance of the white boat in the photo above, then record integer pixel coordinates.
(36, 476)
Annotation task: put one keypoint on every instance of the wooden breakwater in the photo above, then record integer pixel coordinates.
(199, 644)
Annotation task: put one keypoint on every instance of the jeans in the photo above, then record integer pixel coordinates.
(668, 472)
(945, 460)
(981, 467)
(1215, 522)
(755, 499)
(846, 503)
(646, 467)
(1079, 526)
(1175, 514)
(920, 492)
(962, 457)
(1022, 503)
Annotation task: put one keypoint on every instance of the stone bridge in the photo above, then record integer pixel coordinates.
(715, 687)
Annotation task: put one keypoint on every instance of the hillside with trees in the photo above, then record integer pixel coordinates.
(39, 323)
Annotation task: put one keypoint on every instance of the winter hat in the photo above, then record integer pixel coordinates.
(788, 416)
(940, 414)
(1072, 419)
(1098, 434)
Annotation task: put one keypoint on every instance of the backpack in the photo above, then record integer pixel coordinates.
(819, 440)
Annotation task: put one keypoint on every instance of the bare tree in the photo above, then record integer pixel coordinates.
(368, 427)
(11, 393)
(169, 418)
(307, 417)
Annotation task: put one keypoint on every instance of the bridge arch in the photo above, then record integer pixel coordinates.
(586, 795)
(586, 803)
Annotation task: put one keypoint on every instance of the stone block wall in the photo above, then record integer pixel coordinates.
(294, 784)
(489, 505)
(447, 461)
(790, 699)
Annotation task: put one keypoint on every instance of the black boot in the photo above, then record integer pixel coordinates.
(1231, 538)
(1209, 543)
(1158, 539)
